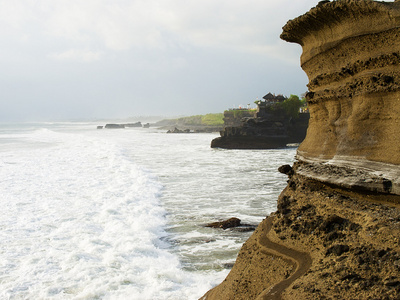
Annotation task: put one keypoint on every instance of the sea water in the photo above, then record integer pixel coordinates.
(120, 214)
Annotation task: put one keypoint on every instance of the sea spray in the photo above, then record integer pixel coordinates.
(118, 214)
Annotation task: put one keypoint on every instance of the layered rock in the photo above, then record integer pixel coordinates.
(351, 54)
(336, 233)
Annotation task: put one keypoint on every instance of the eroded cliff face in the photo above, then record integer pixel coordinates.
(336, 233)
(351, 54)
(346, 246)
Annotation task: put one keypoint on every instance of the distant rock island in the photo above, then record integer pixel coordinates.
(336, 231)
(124, 125)
(276, 122)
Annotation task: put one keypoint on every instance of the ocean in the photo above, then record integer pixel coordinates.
(120, 213)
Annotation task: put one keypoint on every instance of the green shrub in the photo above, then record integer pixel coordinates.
(290, 107)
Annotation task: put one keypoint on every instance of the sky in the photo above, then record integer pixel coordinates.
(95, 59)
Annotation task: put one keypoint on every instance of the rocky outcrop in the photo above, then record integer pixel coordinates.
(126, 125)
(233, 117)
(176, 130)
(335, 234)
(136, 124)
(352, 61)
(114, 126)
(232, 223)
(273, 130)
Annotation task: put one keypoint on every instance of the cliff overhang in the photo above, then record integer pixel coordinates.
(351, 55)
(330, 23)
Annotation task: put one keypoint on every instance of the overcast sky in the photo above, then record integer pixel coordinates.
(120, 58)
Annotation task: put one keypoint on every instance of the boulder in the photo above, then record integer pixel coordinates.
(114, 126)
(286, 169)
(232, 222)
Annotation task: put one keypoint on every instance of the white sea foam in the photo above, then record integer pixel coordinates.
(81, 220)
(118, 214)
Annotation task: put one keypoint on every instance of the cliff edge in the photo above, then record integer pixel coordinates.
(336, 232)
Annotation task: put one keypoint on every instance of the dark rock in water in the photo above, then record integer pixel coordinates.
(228, 265)
(147, 125)
(286, 169)
(232, 222)
(99, 127)
(244, 228)
(176, 130)
(114, 126)
(137, 124)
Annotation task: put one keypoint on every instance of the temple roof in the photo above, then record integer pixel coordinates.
(269, 96)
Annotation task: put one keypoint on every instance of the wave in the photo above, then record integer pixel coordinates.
(82, 220)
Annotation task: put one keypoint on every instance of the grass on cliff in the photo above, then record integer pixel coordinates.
(200, 120)
(213, 119)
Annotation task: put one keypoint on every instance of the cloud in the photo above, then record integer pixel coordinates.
(110, 55)
(121, 25)
(77, 55)
(247, 26)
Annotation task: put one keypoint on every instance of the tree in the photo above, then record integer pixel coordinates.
(292, 106)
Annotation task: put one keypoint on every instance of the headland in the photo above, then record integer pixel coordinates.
(275, 123)
(336, 231)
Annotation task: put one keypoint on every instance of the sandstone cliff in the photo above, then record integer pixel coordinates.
(336, 233)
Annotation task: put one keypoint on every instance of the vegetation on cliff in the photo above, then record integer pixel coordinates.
(197, 120)
(212, 119)
(241, 113)
(290, 107)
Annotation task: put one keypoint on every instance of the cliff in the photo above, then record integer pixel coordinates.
(275, 129)
(336, 232)
(233, 118)
(352, 62)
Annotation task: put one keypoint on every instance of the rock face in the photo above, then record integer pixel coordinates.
(272, 131)
(336, 231)
(232, 118)
(352, 62)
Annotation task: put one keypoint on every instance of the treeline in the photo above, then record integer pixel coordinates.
(291, 106)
